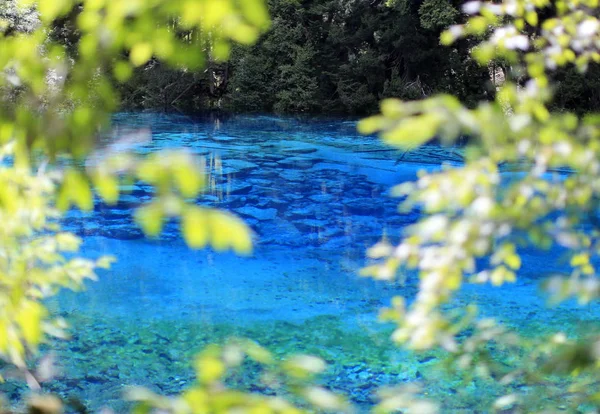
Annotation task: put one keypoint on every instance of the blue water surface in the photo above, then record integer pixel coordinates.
(316, 195)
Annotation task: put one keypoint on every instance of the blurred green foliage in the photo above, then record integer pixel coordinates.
(61, 61)
(62, 87)
(290, 378)
(530, 179)
(33, 264)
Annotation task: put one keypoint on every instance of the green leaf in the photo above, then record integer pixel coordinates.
(201, 227)
(51, 9)
(412, 132)
(325, 399)
(107, 186)
(392, 108)
(140, 53)
(209, 367)
(68, 242)
(531, 17)
(150, 218)
(258, 353)
(29, 318)
(513, 261)
(255, 11)
(188, 179)
(122, 71)
(105, 262)
(477, 25)
(195, 227)
(229, 231)
(371, 125)
(304, 366)
(196, 397)
(75, 190)
(243, 33)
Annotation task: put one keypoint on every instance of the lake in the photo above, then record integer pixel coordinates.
(316, 195)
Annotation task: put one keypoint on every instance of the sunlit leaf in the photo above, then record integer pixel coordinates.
(51, 9)
(68, 242)
(140, 53)
(412, 132)
(189, 180)
(29, 319)
(195, 227)
(209, 368)
(303, 366)
(325, 399)
(255, 11)
(75, 190)
(107, 186)
(258, 353)
(229, 231)
(105, 262)
(371, 125)
(221, 230)
(150, 218)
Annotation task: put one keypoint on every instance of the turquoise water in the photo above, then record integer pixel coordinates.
(316, 194)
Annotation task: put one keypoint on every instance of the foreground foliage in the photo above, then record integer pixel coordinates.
(56, 94)
(529, 179)
(58, 89)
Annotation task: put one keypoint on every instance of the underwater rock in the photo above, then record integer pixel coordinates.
(222, 138)
(332, 231)
(309, 211)
(364, 207)
(298, 163)
(268, 202)
(236, 166)
(259, 181)
(272, 157)
(95, 378)
(306, 150)
(209, 199)
(292, 196)
(291, 176)
(280, 232)
(134, 199)
(75, 215)
(122, 233)
(335, 243)
(233, 202)
(257, 213)
(116, 214)
(364, 223)
(310, 225)
(321, 198)
(399, 220)
(235, 187)
(86, 228)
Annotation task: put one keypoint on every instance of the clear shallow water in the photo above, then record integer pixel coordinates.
(316, 195)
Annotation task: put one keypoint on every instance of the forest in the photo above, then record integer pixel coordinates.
(342, 57)
(333, 57)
